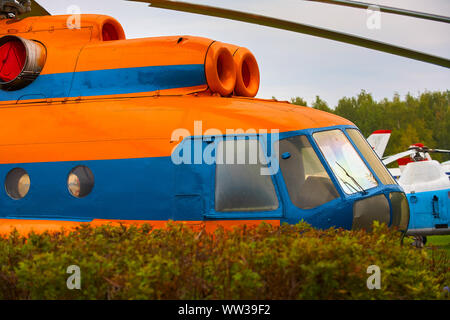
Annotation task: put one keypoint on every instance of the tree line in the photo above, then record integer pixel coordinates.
(424, 118)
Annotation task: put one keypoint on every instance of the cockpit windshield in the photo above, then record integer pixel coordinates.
(348, 167)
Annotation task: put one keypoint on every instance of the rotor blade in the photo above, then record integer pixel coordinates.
(36, 10)
(397, 156)
(297, 27)
(439, 151)
(403, 12)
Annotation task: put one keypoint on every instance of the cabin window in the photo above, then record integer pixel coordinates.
(17, 183)
(400, 210)
(348, 167)
(80, 181)
(371, 157)
(239, 185)
(307, 181)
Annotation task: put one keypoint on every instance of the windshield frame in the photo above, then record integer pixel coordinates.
(338, 179)
(366, 161)
(323, 164)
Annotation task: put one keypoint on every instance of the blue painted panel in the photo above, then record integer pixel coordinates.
(124, 189)
(421, 206)
(132, 80)
(109, 82)
(45, 86)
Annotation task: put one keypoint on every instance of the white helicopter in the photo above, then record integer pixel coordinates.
(426, 183)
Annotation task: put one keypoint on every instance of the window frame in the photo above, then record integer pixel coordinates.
(7, 186)
(364, 161)
(308, 135)
(72, 171)
(211, 213)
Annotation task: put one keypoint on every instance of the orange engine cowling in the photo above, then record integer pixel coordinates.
(21, 62)
(220, 69)
(247, 71)
(43, 48)
(230, 68)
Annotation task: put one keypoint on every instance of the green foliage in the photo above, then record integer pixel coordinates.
(299, 101)
(422, 119)
(264, 262)
(321, 105)
(442, 242)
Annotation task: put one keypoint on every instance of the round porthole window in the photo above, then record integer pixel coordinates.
(80, 181)
(17, 183)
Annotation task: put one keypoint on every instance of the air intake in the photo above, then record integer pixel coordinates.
(21, 62)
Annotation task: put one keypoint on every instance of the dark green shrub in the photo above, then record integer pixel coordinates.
(287, 262)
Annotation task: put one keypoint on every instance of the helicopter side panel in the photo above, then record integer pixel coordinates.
(118, 68)
(104, 83)
(128, 143)
(137, 127)
(429, 212)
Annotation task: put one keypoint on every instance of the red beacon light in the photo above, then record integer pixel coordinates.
(21, 62)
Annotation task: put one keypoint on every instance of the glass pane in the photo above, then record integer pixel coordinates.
(400, 210)
(351, 172)
(308, 183)
(371, 157)
(23, 185)
(17, 183)
(239, 183)
(366, 211)
(80, 181)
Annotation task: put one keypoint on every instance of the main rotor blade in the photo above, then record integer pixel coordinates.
(403, 12)
(439, 151)
(297, 27)
(397, 156)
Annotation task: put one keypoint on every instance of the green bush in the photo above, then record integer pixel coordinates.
(287, 262)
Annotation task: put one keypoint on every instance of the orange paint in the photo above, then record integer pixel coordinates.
(220, 69)
(63, 44)
(247, 73)
(56, 29)
(143, 52)
(136, 127)
(83, 49)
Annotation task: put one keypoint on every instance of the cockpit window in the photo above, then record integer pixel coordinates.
(371, 157)
(306, 179)
(240, 186)
(348, 167)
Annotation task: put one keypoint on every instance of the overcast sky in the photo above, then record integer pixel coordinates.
(293, 64)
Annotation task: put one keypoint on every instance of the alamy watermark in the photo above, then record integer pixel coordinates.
(234, 146)
(74, 280)
(374, 280)
(74, 20)
(373, 21)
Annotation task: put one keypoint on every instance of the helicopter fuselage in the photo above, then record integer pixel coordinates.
(131, 131)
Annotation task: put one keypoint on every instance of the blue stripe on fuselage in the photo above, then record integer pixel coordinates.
(127, 189)
(109, 82)
(157, 189)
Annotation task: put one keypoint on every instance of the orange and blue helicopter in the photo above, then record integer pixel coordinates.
(96, 128)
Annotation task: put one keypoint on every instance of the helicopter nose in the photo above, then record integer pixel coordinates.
(378, 208)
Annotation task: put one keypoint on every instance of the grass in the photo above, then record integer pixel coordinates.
(442, 242)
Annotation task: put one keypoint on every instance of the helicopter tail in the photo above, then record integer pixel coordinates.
(379, 140)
